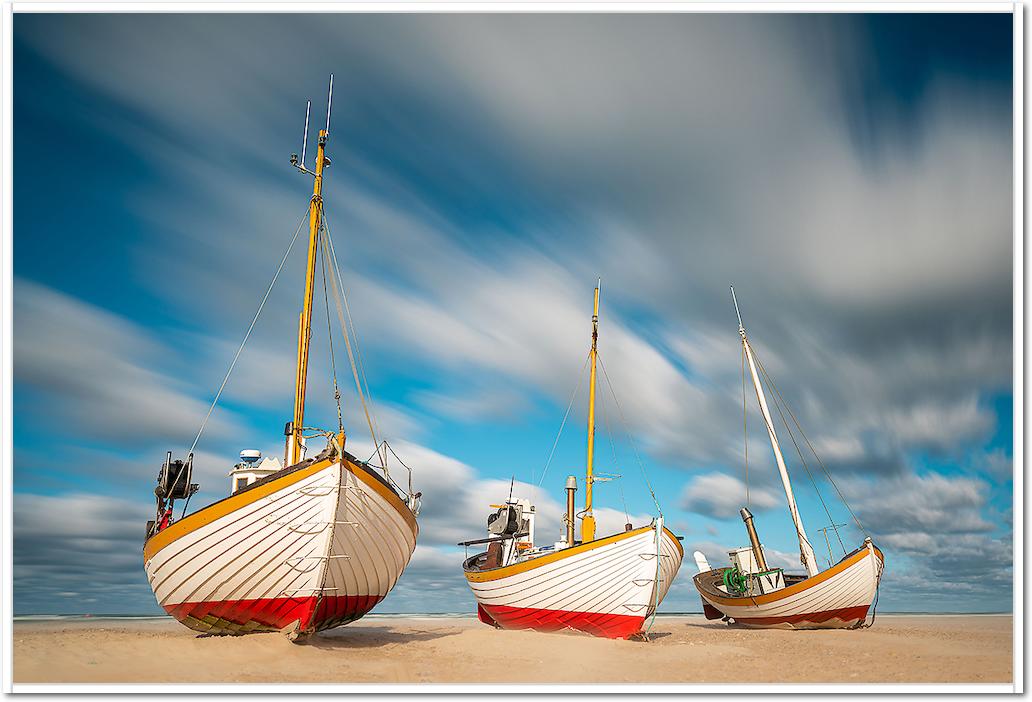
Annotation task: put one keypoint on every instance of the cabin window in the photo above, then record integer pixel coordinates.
(241, 483)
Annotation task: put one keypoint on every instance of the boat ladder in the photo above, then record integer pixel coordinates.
(295, 562)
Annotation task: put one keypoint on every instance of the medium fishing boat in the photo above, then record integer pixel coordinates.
(751, 593)
(303, 548)
(605, 586)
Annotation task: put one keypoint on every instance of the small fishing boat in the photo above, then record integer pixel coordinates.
(606, 586)
(751, 593)
(306, 547)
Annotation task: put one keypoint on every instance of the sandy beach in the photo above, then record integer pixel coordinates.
(683, 649)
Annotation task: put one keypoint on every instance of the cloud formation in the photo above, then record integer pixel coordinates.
(486, 169)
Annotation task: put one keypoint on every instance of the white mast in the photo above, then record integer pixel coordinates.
(806, 554)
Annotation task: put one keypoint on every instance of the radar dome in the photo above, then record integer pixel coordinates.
(250, 455)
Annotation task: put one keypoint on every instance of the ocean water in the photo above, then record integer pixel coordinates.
(427, 615)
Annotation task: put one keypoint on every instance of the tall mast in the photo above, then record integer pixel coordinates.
(588, 528)
(304, 333)
(806, 554)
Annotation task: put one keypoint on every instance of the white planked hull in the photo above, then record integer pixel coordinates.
(315, 548)
(836, 598)
(606, 587)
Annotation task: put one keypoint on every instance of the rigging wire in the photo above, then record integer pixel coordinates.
(791, 435)
(612, 446)
(247, 335)
(573, 396)
(329, 336)
(337, 286)
(814, 452)
(342, 312)
(388, 447)
(745, 432)
(770, 429)
(630, 437)
(655, 586)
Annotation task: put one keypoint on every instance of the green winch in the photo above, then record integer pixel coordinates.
(735, 581)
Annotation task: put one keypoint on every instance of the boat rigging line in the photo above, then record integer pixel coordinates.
(329, 336)
(791, 435)
(247, 335)
(769, 424)
(573, 396)
(612, 447)
(824, 468)
(344, 316)
(630, 437)
(745, 434)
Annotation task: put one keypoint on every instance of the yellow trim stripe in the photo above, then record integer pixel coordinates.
(209, 514)
(677, 542)
(392, 497)
(798, 587)
(482, 576)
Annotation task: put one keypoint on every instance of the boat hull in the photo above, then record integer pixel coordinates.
(837, 598)
(607, 587)
(316, 547)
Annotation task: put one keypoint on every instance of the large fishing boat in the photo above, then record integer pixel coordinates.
(751, 593)
(302, 548)
(606, 586)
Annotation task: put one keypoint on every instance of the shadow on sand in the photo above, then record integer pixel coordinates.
(713, 624)
(370, 637)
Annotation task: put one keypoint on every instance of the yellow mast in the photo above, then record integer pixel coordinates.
(304, 334)
(588, 528)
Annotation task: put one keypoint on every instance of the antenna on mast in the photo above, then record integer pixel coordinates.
(741, 328)
(304, 145)
(329, 104)
(304, 139)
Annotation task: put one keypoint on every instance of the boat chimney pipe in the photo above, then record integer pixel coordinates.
(571, 489)
(761, 562)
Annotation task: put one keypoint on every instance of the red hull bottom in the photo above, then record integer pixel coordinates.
(610, 626)
(831, 618)
(310, 613)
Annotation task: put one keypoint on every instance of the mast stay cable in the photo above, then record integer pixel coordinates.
(329, 337)
(630, 437)
(573, 396)
(824, 468)
(612, 447)
(769, 424)
(778, 406)
(247, 335)
(339, 295)
(745, 434)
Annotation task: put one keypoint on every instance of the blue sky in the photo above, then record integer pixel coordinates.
(851, 174)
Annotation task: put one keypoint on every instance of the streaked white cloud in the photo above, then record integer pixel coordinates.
(720, 496)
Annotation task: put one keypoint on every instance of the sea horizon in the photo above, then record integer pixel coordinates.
(435, 615)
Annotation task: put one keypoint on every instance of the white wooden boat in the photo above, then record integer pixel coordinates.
(605, 586)
(752, 594)
(836, 598)
(312, 546)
